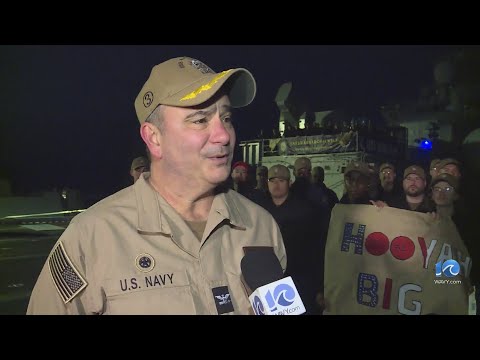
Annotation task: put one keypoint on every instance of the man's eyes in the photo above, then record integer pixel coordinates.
(227, 119)
(200, 121)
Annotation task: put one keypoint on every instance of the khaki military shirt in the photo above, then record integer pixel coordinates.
(132, 253)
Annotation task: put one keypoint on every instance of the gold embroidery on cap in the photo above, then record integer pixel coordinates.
(145, 262)
(205, 87)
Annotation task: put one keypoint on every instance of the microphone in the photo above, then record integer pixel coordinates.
(274, 294)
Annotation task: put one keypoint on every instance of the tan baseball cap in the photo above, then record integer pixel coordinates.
(386, 166)
(434, 163)
(279, 171)
(138, 162)
(448, 161)
(414, 169)
(302, 163)
(186, 82)
(450, 179)
(359, 166)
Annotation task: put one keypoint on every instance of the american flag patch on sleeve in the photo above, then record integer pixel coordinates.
(66, 278)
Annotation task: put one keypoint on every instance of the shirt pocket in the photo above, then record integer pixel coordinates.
(156, 293)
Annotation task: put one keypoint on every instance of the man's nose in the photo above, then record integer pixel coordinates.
(221, 133)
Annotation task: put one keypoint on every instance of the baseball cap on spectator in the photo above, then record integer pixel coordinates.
(414, 169)
(302, 163)
(359, 166)
(434, 163)
(448, 161)
(279, 171)
(242, 164)
(451, 180)
(187, 82)
(139, 162)
(386, 166)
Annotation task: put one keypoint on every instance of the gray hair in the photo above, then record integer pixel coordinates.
(156, 117)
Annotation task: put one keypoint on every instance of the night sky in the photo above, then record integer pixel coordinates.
(67, 114)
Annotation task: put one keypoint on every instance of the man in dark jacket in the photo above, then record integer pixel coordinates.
(318, 177)
(303, 236)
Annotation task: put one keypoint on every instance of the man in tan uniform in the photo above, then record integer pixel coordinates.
(139, 165)
(171, 243)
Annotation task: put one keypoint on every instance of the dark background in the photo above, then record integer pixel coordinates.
(67, 116)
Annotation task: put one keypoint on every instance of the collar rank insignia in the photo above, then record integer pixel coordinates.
(223, 300)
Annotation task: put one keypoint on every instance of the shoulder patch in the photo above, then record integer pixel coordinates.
(65, 276)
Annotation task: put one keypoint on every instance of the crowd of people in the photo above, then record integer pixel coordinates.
(297, 205)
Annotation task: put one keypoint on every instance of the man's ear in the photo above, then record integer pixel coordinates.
(151, 136)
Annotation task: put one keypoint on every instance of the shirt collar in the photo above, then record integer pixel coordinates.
(151, 218)
(152, 208)
(225, 205)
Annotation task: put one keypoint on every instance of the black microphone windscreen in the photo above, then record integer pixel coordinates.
(260, 267)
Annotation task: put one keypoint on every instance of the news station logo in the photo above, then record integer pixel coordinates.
(449, 268)
(278, 298)
(258, 306)
(283, 296)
